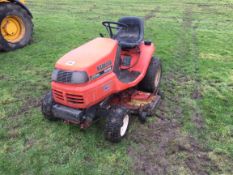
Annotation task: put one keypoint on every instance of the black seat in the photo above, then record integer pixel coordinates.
(133, 35)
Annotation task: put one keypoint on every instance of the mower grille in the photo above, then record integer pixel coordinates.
(76, 99)
(58, 95)
(70, 98)
(64, 77)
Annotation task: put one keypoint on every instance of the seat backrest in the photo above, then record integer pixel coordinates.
(134, 34)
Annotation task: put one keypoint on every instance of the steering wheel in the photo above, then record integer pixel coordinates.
(114, 25)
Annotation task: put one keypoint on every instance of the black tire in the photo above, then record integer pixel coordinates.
(46, 107)
(11, 9)
(114, 124)
(151, 81)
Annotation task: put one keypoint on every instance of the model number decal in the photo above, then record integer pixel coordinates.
(104, 65)
(106, 87)
(103, 72)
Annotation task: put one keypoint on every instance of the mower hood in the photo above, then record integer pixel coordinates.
(89, 56)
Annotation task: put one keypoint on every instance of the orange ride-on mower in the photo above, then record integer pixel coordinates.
(107, 77)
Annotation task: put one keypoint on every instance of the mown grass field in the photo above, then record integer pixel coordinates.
(192, 132)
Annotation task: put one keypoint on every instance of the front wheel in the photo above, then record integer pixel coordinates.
(116, 124)
(46, 107)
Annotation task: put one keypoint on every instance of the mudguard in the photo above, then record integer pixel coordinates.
(22, 5)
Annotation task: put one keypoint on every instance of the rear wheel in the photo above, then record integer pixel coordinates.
(152, 79)
(46, 106)
(117, 124)
(16, 27)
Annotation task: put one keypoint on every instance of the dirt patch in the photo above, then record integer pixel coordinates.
(28, 144)
(161, 146)
(198, 120)
(196, 94)
(152, 13)
(4, 77)
(13, 133)
(163, 149)
(26, 107)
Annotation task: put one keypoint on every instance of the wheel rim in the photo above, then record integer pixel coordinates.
(12, 29)
(125, 125)
(157, 77)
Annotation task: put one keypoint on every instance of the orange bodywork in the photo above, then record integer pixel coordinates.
(87, 58)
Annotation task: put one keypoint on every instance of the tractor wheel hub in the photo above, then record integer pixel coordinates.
(12, 29)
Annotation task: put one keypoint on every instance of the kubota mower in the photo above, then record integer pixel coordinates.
(107, 77)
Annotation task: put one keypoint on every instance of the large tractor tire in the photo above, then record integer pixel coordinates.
(16, 27)
(151, 81)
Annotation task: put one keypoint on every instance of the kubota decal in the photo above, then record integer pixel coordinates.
(105, 71)
(104, 65)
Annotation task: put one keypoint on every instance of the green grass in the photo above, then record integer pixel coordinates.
(194, 40)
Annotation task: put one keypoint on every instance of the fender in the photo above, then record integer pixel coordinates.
(22, 5)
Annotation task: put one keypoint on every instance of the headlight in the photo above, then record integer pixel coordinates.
(54, 75)
(76, 77)
(79, 77)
